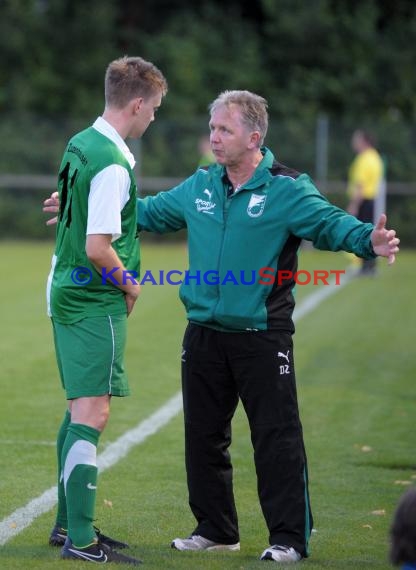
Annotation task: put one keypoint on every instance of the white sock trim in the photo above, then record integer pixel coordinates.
(81, 453)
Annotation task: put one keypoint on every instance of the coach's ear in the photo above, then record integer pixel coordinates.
(254, 140)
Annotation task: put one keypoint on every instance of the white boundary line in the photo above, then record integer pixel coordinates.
(24, 516)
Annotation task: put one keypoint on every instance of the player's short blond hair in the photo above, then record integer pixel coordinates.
(253, 109)
(129, 77)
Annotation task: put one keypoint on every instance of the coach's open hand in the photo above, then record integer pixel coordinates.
(51, 205)
(385, 242)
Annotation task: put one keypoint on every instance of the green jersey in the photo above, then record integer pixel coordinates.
(244, 235)
(75, 288)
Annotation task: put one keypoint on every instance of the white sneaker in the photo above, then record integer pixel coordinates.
(197, 542)
(280, 553)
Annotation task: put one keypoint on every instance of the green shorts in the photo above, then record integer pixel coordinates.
(90, 356)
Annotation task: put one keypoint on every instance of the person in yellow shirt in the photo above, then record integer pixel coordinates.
(365, 179)
(206, 155)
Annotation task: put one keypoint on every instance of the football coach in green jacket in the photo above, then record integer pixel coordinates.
(245, 213)
(246, 216)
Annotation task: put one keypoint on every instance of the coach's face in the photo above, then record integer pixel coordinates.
(230, 138)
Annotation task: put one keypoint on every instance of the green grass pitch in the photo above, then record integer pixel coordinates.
(356, 367)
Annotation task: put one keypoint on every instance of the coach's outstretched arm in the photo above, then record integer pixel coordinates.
(161, 213)
(385, 243)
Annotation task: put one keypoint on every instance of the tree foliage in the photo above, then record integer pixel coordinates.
(352, 60)
(343, 57)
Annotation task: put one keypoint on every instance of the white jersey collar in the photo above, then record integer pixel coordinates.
(104, 127)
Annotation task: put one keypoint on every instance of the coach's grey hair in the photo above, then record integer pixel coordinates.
(253, 109)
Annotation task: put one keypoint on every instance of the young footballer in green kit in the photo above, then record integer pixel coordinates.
(89, 296)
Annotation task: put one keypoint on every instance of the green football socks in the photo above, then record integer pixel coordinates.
(79, 465)
(61, 515)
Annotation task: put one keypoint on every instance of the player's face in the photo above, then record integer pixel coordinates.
(230, 138)
(145, 114)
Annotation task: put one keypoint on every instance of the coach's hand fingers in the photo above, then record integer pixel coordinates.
(52, 221)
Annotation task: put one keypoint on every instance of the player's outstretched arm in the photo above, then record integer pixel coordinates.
(384, 241)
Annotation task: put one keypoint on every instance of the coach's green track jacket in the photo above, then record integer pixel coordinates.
(260, 225)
